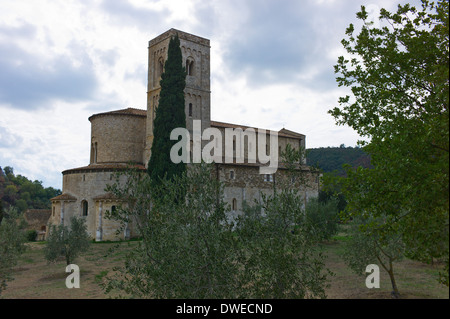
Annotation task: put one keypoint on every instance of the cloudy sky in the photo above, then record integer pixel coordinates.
(62, 61)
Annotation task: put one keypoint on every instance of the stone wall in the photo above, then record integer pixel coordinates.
(88, 185)
(245, 183)
(117, 138)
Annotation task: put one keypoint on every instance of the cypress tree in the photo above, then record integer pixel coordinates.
(170, 114)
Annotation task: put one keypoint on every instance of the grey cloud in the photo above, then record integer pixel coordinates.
(25, 30)
(281, 41)
(29, 83)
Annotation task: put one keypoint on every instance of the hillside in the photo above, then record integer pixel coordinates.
(23, 193)
(331, 159)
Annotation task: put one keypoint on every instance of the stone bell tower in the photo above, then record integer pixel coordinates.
(195, 51)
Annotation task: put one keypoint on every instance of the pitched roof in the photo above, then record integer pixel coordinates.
(64, 196)
(37, 218)
(106, 196)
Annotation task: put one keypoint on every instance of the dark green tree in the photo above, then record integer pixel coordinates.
(1, 211)
(399, 80)
(170, 114)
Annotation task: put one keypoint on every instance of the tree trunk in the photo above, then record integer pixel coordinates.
(395, 293)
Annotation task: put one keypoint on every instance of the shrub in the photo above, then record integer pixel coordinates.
(31, 235)
(322, 218)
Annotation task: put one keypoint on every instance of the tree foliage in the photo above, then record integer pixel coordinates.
(12, 239)
(170, 114)
(323, 217)
(67, 242)
(194, 248)
(281, 258)
(22, 193)
(398, 76)
(187, 248)
(367, 246)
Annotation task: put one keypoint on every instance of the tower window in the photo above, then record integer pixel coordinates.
(190, 109)
(160, 66)
(231, 174)
(234, 204)
(190, 66)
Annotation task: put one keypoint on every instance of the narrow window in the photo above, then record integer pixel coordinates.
(84, 207)
(160, 66)
(268, 177)
(53, 211)
(231, 174)
(190, 66)
(190, 109)
(234, 204)
(113, 208)
(95, 152)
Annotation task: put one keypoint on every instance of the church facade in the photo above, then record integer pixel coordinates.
(123, 136)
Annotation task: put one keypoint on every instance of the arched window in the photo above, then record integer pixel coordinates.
(113, 209)
(234, 204)
(160, 66)
(190, 66)
(190, 109)
(84, 208)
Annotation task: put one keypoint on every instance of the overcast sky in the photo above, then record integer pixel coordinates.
(62, 61)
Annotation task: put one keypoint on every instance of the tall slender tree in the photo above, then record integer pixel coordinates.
(170, 114)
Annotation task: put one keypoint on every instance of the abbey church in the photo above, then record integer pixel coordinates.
(122, 136)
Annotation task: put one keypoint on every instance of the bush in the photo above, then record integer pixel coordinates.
(31, 235)
(322, 218)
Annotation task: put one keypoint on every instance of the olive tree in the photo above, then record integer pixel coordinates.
(12, 239)
(67, 242)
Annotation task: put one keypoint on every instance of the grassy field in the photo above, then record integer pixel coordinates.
(35, 279)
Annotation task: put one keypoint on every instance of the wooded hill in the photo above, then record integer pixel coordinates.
(331, 159)
(22, 193)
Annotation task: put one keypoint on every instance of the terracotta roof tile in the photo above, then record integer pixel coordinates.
(104, 167)
(64, 196)
(283, 132)
(106, 196)
(127, 111)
